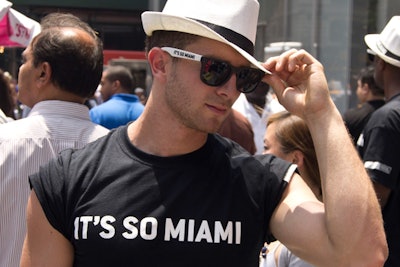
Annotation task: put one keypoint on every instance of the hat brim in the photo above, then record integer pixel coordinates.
(154, 21)
(372, 42)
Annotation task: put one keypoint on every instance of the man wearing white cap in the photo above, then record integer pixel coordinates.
(379, 144)
(167, 191)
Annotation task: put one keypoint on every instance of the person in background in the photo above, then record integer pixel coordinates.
(141, 93)
(120, 104)
(288, 137)
(370, 97)
(273, 106)
(253, 106)
(379, 143)
(57, 19)
(4, 118)
(6, 101)
(55, 86)
(237, 128)
(14, 95)
(166, 190)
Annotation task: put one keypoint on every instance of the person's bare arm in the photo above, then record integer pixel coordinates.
(43, 245)
(347, 230)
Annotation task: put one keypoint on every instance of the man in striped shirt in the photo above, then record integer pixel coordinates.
(61, 68)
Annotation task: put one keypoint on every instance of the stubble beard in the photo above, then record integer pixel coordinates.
(179, 102)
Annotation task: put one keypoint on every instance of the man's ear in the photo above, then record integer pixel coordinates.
(365, 88)
(157, 60)
(44, 73)
(380, 64)
(116, 85)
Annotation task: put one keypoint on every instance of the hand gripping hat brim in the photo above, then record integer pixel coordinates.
(386, 45)
(231, 22)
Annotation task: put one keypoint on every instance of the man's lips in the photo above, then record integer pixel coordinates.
(217, 108)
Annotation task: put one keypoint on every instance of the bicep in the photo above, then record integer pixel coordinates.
(299, 222)
(44, 245)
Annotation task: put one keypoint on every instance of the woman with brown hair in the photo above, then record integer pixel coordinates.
(288, 137)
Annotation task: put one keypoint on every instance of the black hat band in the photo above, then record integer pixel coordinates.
(231, 36)
(385, 51)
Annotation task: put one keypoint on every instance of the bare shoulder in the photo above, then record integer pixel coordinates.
(43, 244)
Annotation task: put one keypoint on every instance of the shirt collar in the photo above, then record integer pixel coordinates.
(58, 107)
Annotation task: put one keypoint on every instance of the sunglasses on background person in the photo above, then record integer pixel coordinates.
(215, 72)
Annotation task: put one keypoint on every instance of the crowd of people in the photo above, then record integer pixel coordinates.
(202, 166)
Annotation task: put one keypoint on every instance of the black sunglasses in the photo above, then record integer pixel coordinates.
(216, 72)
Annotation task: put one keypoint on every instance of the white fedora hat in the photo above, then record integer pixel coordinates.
(233, 22)
(386, 45)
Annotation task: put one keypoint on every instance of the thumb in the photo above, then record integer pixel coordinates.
(276, 83)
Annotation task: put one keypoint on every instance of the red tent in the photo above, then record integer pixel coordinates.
(16, 29)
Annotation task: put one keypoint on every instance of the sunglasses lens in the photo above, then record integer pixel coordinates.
(247, 79)
(216, 73)
(213, 72)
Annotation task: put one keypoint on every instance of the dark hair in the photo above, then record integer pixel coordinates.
(76, 61)
(6, 101)
(366, 75)
(170, 38)
(123, 75)
(57, 19)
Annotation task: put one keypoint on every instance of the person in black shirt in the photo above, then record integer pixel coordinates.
(379, 143)
(370, 97)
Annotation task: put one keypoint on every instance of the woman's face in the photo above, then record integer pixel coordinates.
(272, 144)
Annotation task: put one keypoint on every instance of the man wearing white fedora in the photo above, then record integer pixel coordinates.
(379, 144)
(166, 190)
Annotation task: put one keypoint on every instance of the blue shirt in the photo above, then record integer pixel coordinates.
(118, 110)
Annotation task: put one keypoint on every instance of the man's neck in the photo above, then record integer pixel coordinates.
(160, 136)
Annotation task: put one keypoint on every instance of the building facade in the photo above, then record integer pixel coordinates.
(331, 30)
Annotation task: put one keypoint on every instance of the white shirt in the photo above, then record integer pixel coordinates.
(25, 145)
(259, 124)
